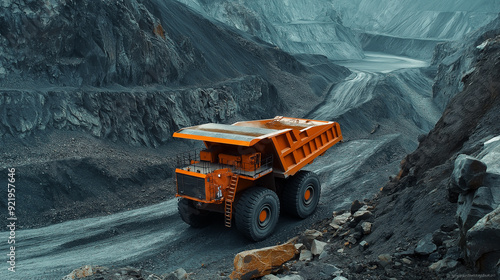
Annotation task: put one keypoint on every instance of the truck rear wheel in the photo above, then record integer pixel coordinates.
(257, 213)
(191, 215)
(301, 194)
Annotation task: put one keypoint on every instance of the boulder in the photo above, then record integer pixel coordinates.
(312, 234)
(433, 257)
(492, 180)
(362, 214)
(453, 253)
(317, 247)
(82, 272)
(406, 261)
(444, 265)
(384, 259)
(367, 227)
(292, 277)
(425, 246)
(490, 155)
(180, 273)
(305, 255)
(308, 236)
(340, 220)
(356, 205)
(270, 277)
(472, 207)
(448, 227)
(482, 242)
(439, 236)
(259, 262)
(323, 255)
(468, 174)
(299, 246)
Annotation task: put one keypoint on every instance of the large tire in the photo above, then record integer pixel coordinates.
(257, 213)
(191, 215)
(300, 195)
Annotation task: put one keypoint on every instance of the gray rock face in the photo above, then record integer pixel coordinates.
(472, 207)
(475, 204)
(143, 117)
(468, 174)
(455, 62)
(425, 246)
(482, 242)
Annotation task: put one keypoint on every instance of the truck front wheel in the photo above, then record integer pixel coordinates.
(257, 213)
(191, 215)
(301, 194)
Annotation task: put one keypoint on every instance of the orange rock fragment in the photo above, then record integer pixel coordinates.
(259, 262)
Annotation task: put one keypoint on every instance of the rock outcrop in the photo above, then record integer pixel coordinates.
(455, 60)
(467, 127)
(482, 246)
(468, 174)
(139, 117)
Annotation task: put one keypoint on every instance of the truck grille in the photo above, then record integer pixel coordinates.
(191, 186)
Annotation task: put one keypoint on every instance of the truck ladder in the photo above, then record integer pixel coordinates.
(230, 199)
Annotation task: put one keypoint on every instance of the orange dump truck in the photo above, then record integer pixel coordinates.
(248, 169)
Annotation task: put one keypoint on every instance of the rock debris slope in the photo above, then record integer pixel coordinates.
(439, 217)
(421, 201)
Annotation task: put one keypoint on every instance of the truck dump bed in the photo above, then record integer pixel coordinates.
(294, 142)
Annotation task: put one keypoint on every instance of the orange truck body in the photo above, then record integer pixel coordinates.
(240, 155)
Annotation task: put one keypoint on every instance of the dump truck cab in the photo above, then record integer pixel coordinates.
(248, 169)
